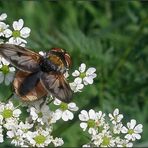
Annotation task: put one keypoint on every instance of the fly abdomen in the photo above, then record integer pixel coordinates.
(29, 83)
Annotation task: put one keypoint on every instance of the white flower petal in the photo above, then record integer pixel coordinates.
(58, 114)
(3, 16)
(82, 68)
(17, 25)
(128, 136)
(92, 131)
(76, 73)
(16, 112)
(67, 115)
(83, 125)
(11, 40)
(1, 138)
(137, 136)
(138, 128)
(78, 80)
(57, 102)
(72, 106)
(119, 117)
(70, 114)
(25, 32)
(10, 134)
(90, 71)
(93, 75)
(7, 33)
(88, 80)
(92, 114)
(80, 86)
(9, 78)
(124, 130)
(5, 62)
(116, 112)
(111, 116)
(12, 69)
(83, 116)
(132, 124)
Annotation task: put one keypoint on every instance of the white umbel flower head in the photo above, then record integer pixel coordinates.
(86, 75)
(6, 71)
(65, 110)
(132, 130)
(19, 34)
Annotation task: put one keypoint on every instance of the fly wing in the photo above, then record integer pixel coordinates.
(34, 94)
(22, 58)
(57, 85)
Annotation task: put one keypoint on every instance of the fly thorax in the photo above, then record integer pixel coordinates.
(48, 65)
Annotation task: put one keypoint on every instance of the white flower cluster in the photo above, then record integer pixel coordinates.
(17, 35)
(83, 77)
(104, 134)
(35, 131)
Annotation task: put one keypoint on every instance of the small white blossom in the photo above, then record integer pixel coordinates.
(41, 114)
(17, 132)
(8, 111)
(91, 120)
(19, 33)
(12, 123)
(65, 109)
(6, 71)
(124, 143)
(24, 127)
(39, 138)
(117, 128)
(58, 142)
(86, 75)
(16, 137)
(116, 117)
(103, 139)
(132, 131)
(3, 16)
(77, 85)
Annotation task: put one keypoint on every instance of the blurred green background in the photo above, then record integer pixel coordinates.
(111, 36)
